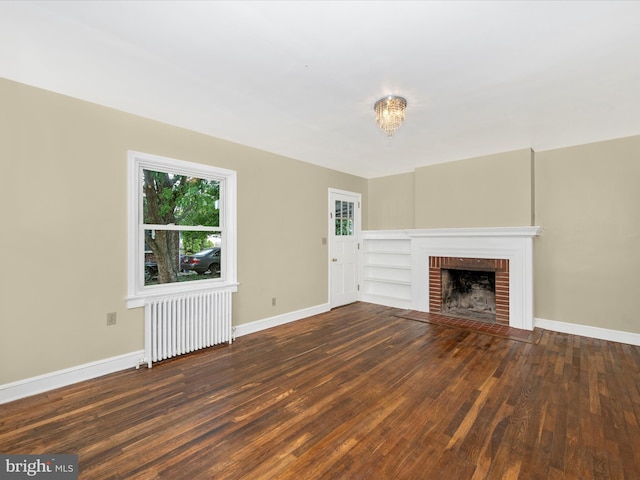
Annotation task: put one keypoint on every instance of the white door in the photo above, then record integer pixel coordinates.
(344, 234)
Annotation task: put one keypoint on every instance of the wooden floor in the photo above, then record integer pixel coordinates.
(356, 393)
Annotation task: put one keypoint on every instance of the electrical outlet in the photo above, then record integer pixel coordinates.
(273, 302)
(111, 318)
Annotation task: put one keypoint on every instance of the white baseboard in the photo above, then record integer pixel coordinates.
(588, 331)
(61, 378)
(258, 325)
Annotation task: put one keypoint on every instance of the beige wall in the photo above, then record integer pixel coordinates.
(391, 202)
(490, 191)
(63, 250)
(588, 259)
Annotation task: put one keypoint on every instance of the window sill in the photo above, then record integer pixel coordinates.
(168, 290)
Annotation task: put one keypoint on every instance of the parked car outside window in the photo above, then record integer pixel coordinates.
(205, 261)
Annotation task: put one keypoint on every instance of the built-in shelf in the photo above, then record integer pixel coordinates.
(389, 301)
(387, 280)
(387, 268)
(380, 265)
(387, 252)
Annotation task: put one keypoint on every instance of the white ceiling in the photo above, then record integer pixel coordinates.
(300, 78)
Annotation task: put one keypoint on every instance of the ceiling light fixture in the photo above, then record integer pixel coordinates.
(390, 113)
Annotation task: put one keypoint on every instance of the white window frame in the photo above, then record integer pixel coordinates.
(137, 292)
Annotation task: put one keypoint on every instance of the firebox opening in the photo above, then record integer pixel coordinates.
(469, 294)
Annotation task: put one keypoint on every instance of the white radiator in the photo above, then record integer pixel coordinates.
(180, 324)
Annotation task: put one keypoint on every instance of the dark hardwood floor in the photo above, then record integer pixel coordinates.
(356, 393)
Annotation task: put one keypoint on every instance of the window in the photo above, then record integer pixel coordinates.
(344, 218)
(182, 220)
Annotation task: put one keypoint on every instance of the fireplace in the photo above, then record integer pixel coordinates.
(506, 252)
(473, 288)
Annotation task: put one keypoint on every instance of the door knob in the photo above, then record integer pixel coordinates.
(334, 259)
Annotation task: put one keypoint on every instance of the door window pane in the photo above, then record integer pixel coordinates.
(344, 218)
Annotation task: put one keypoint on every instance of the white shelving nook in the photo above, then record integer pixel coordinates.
(387, 268)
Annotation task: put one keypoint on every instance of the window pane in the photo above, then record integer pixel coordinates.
(349, 227)
(338, 209)
(344, 227)
(180, 200)
(171, 256)
(345, 209)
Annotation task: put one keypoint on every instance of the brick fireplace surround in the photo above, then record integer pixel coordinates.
(498, 265)
(508, 250)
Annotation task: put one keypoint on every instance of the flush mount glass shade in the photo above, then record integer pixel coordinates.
(390, 113)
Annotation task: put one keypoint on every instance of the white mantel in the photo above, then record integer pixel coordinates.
(527, 232)
(512, 243)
